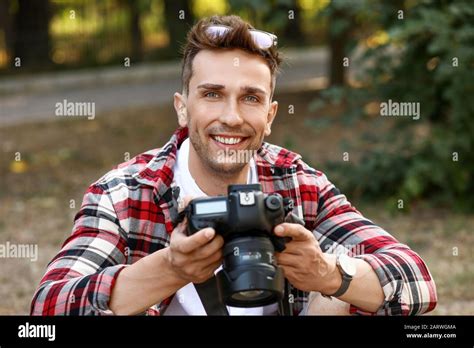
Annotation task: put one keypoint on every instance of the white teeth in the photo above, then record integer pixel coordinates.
(229, 141)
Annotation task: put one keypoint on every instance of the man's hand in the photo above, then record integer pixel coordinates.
(195, 258)
(159, 275)
(303, 262)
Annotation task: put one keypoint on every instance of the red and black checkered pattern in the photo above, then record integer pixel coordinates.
(127, 214)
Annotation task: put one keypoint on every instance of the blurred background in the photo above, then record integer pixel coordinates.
(414, 177)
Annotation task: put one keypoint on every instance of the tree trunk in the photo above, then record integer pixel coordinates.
(133, 7)
(337, 43)
(176, 25)
(6, 24)
(292, 30)
(337, 70)
(32, 43)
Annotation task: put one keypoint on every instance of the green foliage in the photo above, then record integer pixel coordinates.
(282, 17)
(429, 58)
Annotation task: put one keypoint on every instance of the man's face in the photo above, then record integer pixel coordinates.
(228, 109)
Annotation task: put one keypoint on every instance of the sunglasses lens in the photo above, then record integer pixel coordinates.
(216, 31)
(262, 40)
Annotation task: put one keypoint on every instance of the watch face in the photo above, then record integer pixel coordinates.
(347, 265)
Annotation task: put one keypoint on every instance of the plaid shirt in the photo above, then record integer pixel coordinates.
(130, 213)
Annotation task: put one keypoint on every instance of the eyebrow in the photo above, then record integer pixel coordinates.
(248, 89)
(210, 86)
(253, 90)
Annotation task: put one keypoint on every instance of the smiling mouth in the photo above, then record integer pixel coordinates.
(228, 140)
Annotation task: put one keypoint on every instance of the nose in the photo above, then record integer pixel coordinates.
(230, 115)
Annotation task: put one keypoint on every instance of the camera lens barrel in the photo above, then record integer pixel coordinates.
(250, 276)
(245, 219)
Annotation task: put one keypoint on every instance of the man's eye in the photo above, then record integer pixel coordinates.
(251, 98)
(211, 95)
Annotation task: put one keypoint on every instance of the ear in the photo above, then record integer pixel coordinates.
(270, 117)
(180, 107)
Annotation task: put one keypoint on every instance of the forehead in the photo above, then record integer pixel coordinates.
(230, 67)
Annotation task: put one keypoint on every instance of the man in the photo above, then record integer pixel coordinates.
(128, 255)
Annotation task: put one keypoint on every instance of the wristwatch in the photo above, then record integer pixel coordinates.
(348, 270)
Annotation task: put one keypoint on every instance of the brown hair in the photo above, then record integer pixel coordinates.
(239, 37)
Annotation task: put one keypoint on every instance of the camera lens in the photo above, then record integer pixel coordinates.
(250, 277)
(249, 294)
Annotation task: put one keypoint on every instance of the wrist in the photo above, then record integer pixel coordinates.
(163, 268)
(333, 279)
(143, 284)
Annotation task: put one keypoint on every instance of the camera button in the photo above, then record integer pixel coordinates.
(246, 198)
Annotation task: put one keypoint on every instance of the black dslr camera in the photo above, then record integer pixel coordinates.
(245, 218)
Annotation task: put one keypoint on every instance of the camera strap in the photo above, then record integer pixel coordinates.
(284, 306)
(213, 305)
(210, 298)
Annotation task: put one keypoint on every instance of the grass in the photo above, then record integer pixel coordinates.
(60, 158)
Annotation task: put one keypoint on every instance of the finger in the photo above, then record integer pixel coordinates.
(216, 257)
(213, 266)
(187, 244)
(288, 271)
(210, 270)
(293, 247)
(295, 231)
(297, 247)
(287, 260)
(209, 249)
(179, 231)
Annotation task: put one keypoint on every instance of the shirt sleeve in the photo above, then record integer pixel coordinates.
(407, 284)
(80, 278)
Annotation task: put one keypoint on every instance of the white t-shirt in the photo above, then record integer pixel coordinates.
(187, 301)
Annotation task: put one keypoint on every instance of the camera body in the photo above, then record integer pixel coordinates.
(245, 218)
(245, 211)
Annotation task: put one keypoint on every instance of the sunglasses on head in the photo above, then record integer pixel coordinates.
(262, 39)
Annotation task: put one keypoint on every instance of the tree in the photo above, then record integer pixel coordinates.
(340, 25)
(179, 18)
(427, 59)
(6, 24)
(282, 16)
(32, 41)
(134, 9)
